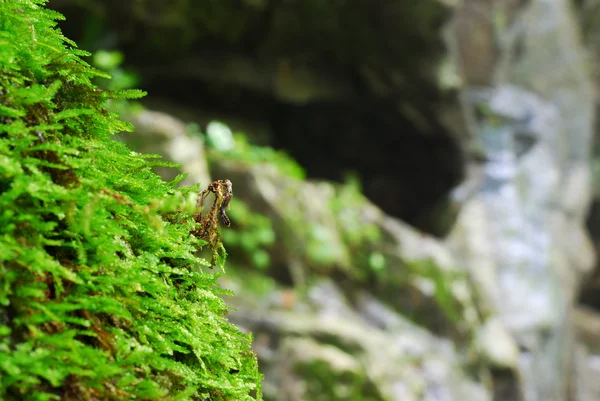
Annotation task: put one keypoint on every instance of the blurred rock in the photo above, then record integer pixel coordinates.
(587, 355)
(530, 100)
(326, 357)
(497, 345)
(419, 275)
(338, 340)
(403, 315)
(160, 133)
(589, 14)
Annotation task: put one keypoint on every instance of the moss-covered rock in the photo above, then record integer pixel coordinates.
(322, 349)
(327, 372)
(102, 295)
(327, 229)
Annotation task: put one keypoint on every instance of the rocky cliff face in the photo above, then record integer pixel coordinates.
(534, 120)
(473, 121)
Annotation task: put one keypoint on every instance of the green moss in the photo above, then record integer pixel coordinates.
(102, 295)
(348, 204)
(416, 281)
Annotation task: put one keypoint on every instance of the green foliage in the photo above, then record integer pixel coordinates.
(253, 234)
(362, 239)
(442, 287)
(102, 295)
(253, 286)
(120, 78)
(348, 205)
(419, 279)
(219, 136)
(117, 79)
(223, 144)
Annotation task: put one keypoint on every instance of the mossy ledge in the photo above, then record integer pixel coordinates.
(102, 295)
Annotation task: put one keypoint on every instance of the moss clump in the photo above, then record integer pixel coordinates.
(102, 295)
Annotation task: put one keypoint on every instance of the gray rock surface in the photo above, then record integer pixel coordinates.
(397, 362)
(522, 233)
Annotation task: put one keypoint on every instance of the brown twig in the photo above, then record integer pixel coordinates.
(209, 231)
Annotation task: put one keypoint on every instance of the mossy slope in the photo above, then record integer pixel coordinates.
(101, 292)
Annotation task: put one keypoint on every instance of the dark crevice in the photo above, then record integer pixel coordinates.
(407, 167)
(390, 136)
